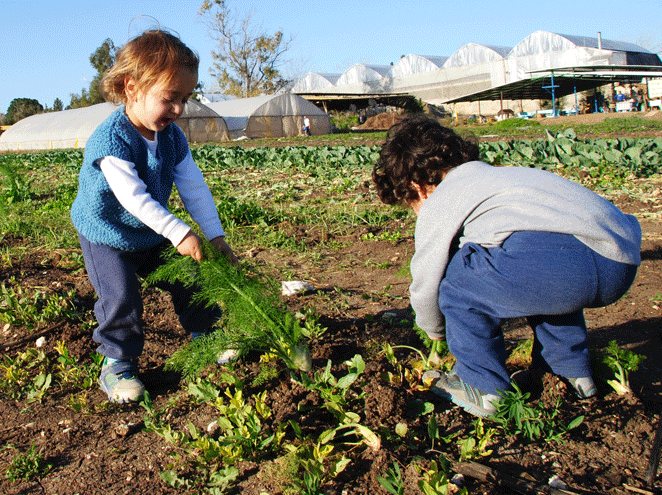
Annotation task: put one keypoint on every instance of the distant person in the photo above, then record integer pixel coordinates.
(306, 125)
(121, 211)
(493, 243)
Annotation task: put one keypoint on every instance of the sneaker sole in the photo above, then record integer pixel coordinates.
(433, 376)
(118, 400)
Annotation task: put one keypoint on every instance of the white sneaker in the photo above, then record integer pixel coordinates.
(120, 382)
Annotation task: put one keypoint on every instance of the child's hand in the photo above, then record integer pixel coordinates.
(190, 246)
(223, 247)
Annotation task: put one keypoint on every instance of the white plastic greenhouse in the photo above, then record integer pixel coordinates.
(362, 78)
(475, 68)
(475, 54)
(270, 116)
(72, 128)
(315, 82)
(411, 64)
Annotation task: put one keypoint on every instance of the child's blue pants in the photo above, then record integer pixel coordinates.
(546, 277)
(119, 307)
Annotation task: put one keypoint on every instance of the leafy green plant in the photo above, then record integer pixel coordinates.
(476, 444)
(435, 479)
(21, 307)
(316, 463)
(70, 371)
(520, 356)
(26, 375)
(15, 187)
(516, 417)
(621, 362)
(392, 480)
(335, 392)
(253, 317)
(28, 466)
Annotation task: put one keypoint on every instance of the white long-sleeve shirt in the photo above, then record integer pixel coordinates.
(131, 192)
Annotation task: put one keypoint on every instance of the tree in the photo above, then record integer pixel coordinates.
(19, 108)
(57, 105)
(246, 63)
(102, 59)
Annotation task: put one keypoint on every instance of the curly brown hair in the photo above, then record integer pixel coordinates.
(154, 56)
(418, 150)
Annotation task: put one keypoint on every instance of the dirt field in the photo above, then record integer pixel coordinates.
(361, 296)
(383, 121)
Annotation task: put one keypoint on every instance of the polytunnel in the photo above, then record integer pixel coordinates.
(314, 82)
(542, 50)
(271, 116)
(72, 128)
(412, 64)
(362, 78)
(476, 54)
(65, 129)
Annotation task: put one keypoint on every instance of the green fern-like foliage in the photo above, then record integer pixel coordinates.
(253, 317)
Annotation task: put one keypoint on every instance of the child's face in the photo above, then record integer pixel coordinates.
(150, 110)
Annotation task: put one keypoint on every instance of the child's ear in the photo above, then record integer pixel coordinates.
(130, 88)
(423, 191)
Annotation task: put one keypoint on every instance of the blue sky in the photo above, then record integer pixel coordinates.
(45, 45)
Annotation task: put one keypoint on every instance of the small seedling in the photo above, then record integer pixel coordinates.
(476, 445)
(392, 480)
(621, 362)
(28, 466)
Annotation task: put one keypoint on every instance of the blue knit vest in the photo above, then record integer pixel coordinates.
(96, 213)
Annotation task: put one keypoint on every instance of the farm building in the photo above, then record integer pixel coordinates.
(72, 128)
(542, 66)
(270, 116)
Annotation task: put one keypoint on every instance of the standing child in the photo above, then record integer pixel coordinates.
(493, 243)
(121, 211)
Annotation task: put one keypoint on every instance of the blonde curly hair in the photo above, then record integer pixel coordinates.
(154, 56)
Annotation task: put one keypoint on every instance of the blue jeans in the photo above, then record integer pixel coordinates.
(546, 277)
(119, 307)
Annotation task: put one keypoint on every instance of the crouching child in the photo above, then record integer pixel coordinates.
(493, 243)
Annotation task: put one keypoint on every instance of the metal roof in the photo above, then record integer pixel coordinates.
(566, 81)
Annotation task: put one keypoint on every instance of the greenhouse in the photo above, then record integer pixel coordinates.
(314, 82)
(409, 65)
(475, 54)
(270, 116)
(72, 128)
(476, 72)
(362, 78)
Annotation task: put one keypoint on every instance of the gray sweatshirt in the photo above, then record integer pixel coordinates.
(483, 204)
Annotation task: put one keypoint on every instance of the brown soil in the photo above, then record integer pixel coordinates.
(106, 449)
(384, 121)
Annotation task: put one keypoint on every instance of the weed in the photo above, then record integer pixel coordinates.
(515, 417)
(70, 372)
(28, 466)
(435, 479)
(520, 356)
(21, 307)
(392, 480)
(25, 376)
(476, 445)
